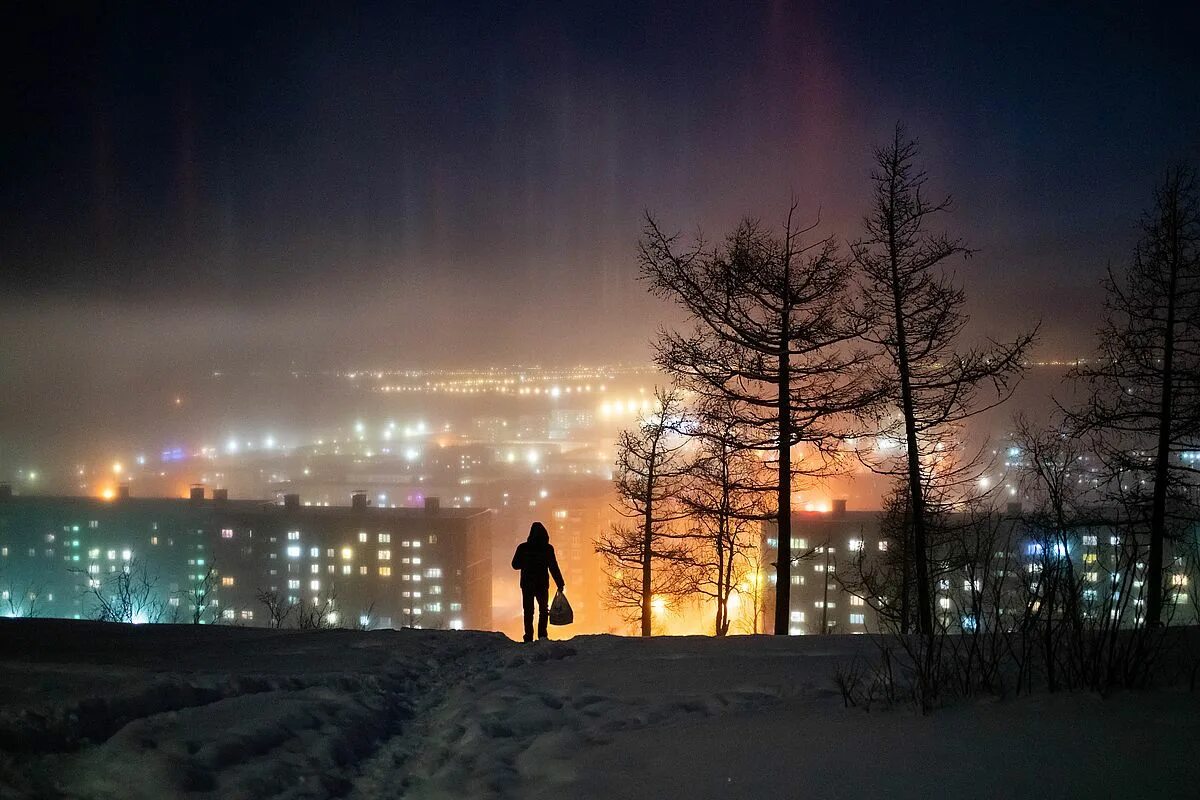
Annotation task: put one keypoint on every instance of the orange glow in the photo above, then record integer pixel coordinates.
(108, 493)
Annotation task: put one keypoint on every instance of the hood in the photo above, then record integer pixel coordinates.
(538, 534)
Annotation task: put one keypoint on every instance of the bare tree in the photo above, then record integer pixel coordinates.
(129, 594)
(1144, 403)
(22, 599)
(199, 596)
(279, 608)
(725, 502)
(645, 558)
(913, 313)
(366, 619)
(771, 340)
(322, 614)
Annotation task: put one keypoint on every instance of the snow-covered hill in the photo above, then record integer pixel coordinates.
(88, 710)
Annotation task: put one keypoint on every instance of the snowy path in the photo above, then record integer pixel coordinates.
(175, 712)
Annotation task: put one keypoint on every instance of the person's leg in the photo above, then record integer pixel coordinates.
(543, 599)
(527, 607)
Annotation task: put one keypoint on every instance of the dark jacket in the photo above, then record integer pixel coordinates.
(535, 557)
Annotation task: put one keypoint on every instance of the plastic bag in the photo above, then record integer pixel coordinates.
(560, 610)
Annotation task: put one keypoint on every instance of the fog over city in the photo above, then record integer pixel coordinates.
(183, 198)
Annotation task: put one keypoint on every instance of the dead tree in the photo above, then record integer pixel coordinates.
(770, 338)
(645, 558)
(912, 310)
(1144, 388)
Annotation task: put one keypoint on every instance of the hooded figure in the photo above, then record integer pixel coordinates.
(535, 558)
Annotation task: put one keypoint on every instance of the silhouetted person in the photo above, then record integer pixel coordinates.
(535, 558)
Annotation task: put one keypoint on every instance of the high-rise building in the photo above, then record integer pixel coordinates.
(222, 560)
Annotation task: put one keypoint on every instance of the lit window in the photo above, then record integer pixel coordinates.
(362, 536)
(293, 584)
(944, 602)
(315, 569)
(797, 616)
(227, 613)
(385, 538)
(362, 570)
(1089, 541)
(385, 555)
(858, 619)
(385, 571)
(1091, 577)
(432, 538)
(855, 600)
(346, 569)
(1089, 558)
(226, 533)
(293, 536)
(1179, 580)
(314, 552)
(112, 555)
(227, 580)
(799, 544)
(883, 545)
(855, 545)
(314, 585)
(153, 540)
(247, 614)
(293, 552)
(347, 554)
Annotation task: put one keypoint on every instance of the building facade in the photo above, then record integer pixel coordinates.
(993, 572)
(212, 559)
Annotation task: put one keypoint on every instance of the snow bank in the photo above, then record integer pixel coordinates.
(241, 714)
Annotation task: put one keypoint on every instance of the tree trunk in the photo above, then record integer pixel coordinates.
(783, 559)
(647, 544)
(1158, 510)
(915, 489)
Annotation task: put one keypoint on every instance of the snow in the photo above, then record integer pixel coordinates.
(93, 711)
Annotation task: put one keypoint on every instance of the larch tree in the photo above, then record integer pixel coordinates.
(769, 338)
(1143, 391)
(725, 503)
(912, 310)
(646, 557)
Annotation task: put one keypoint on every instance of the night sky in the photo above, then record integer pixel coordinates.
(422, 183)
